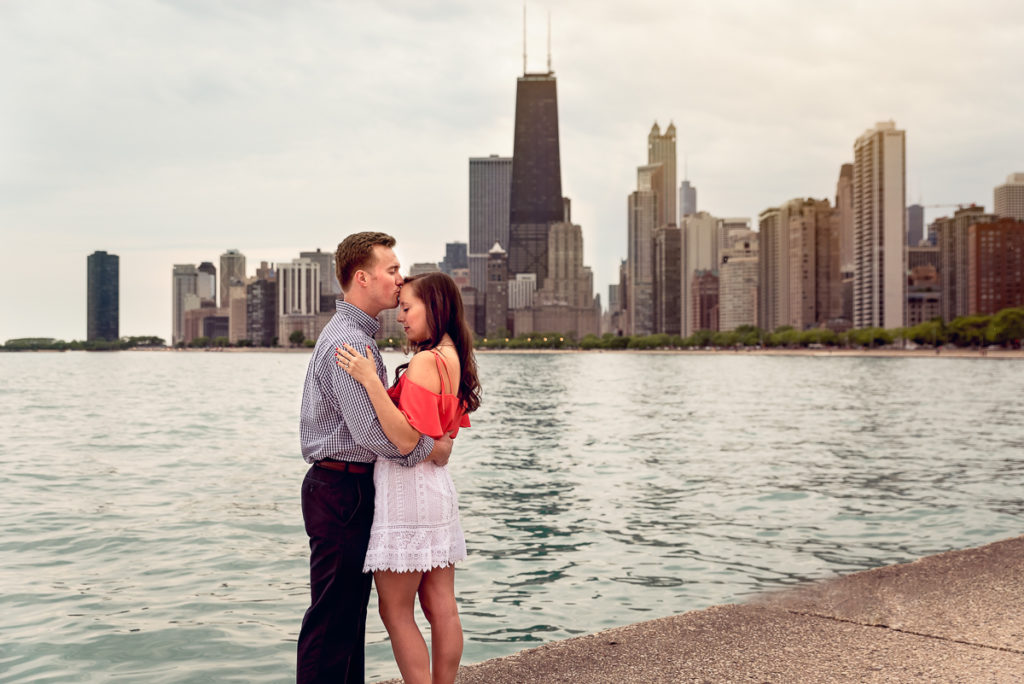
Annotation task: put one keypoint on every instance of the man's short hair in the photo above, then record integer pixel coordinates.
(356, 252)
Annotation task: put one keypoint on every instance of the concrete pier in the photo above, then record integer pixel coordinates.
(953, 617)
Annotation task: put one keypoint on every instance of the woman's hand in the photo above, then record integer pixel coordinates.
(362, 369)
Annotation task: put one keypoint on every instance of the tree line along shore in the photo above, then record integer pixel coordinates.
(1004, 329)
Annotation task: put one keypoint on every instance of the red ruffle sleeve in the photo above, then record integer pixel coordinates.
(430, 413)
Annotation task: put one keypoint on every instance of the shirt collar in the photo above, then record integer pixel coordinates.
(364, 321)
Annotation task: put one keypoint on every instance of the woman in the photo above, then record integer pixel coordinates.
(416, 536)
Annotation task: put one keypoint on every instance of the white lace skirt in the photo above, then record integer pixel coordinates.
(415, 519)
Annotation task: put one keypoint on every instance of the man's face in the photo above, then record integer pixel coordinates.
(385, 280)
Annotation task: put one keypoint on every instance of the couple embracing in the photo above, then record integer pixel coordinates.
(378, 498)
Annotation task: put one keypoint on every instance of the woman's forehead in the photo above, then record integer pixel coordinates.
(407, 295)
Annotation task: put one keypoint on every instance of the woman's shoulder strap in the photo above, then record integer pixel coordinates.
(442, 371)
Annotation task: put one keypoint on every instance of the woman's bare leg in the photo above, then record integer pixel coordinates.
(396, 598)
(437, 598)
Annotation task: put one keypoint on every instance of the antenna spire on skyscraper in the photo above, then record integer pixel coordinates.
(549, 41)
(524, 38)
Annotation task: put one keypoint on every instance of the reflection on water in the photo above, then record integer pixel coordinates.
(153, 532)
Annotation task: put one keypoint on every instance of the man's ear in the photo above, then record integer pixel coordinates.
(361, 277)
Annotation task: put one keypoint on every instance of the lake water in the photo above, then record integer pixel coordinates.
(152, 529)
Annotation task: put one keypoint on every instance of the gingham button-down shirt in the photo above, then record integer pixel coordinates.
(337, 420)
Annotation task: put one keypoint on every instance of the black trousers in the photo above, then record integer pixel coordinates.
(337, 508)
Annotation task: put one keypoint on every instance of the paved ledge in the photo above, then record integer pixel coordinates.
(954, 617)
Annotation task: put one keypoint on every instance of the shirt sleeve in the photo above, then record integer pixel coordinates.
(360, 417)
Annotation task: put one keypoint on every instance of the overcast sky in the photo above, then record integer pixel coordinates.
(167, 132)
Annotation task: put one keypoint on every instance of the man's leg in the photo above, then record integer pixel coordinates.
(337, 508)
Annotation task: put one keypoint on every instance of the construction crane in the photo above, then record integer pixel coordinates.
(948, 206)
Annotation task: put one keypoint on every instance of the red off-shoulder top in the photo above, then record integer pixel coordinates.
(430, 413)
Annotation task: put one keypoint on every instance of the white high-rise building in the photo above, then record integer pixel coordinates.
(328, 274)
(1009, 197)
(521, 291)
(298, 287)
(699, 245)
(879, 232)
(298, 299)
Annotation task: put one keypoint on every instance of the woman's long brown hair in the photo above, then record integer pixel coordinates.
(443, 302)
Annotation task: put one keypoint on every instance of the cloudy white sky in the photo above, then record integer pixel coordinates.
(167, 132)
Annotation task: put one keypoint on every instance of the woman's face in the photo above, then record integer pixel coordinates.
(412, 314)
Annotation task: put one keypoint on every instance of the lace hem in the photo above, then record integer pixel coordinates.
(415, 550)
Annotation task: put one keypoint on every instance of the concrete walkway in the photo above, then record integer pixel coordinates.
(954, 617)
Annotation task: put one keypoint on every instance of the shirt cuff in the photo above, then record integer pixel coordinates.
(420, 451)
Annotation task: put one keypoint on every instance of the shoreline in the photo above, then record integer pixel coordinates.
(823, 353)
(952, 617)
(944, 353)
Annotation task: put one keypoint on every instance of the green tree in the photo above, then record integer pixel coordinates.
(221, 342)
(297, 338)
(929, 332)
(968, 331)
(202, 341)
(725, 339)
(1006, 327)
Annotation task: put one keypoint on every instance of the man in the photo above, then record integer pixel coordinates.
(341, 437)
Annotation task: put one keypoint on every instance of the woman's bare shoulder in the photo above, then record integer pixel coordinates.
(423, 371)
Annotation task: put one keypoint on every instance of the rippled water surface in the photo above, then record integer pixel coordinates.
(152, 530)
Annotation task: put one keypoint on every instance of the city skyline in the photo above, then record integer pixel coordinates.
(205, 140)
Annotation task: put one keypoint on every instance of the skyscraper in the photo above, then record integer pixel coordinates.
(102, 296)
(815, 295)
(687, 200)
(490, 187)
(844, 205)
(644, 216)
(661, 149)
(206, 286)
(1009, 197)
(497, 291)
(915, 225)
(844, 209)
(667, 280)
(330, 288)
(996, 264)
(954, 259)
(699, 252)
(773, 269)
(232, 272)
(184, 283)
(261, 311)
(536, 196)
(737, 285)
(455, 257)
(298, 298)
(879, 227)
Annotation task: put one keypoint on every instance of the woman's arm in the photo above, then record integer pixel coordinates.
(392, 421)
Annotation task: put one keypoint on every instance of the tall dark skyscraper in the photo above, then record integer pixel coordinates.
(536, 199)
(103, 297)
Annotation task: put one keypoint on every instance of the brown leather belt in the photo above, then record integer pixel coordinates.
(346, 466)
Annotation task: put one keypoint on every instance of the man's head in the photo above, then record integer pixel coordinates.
(367, 269)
